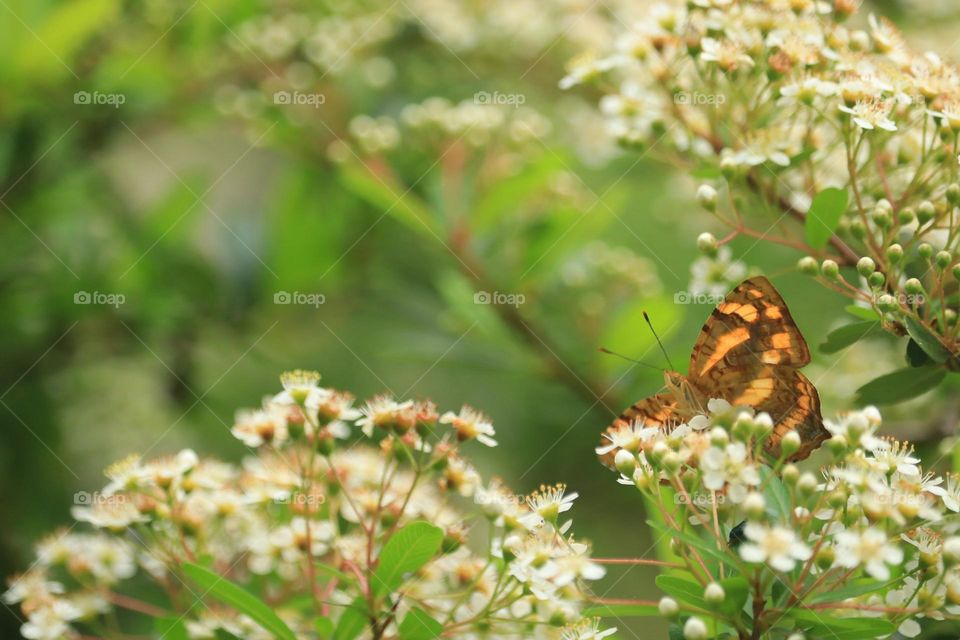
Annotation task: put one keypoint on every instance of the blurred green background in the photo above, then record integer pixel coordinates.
(199, 195)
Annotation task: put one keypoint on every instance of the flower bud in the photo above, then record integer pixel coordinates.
(790, 444)
(640, 479)
(913, 287)
(672, 462)
(825, 558)
(924, 250)
(866, 266)
(707, 197)
(858, 230)
(887, 303)
(953, 194)
(926, 212)
(754, 505)
(882, 218)
(942, 260)
(894, 253)
(694, 629)
(951, 551)
(668, 607)
(906, 216)
(714, 594)
(797, 635)
(707, 244)
(830, 269)
(807, 484)
(876, 279)
(719, 437)
(790, 474)
(625, 462)
(808, 266)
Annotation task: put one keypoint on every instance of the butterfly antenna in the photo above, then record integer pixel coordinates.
(627, 358)
(654, 331)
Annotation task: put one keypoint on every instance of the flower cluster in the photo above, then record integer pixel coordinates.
(869, 547)
(359, 537)
(843, 137)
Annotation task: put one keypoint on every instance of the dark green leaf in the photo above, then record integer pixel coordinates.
(843, 337)
(900, 385)
(621, 611)
(824, 216)
(926, 340)
(409, 549)
(916, 356)
(352, 621)
(417, 625)
(240, 599)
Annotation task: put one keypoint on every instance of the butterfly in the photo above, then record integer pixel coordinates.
(749, 352)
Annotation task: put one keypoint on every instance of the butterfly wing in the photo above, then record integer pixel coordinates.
(656, 411)
(748, 353)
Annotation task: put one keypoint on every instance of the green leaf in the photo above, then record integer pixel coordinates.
(926, 340)
(775, 495)
(352, 621)
(389, 199)
(240, 599)
(864, 313)
(916, 356)
(826, 624)
(851, 590)
(409, 549)
(844, 336)
(824, 216)
(324, 627)
(738, 591)
(901, 385)
(685, 591)
(417, 625)
(55, 42)
(702, 546)
(621, 611)
(171, 628)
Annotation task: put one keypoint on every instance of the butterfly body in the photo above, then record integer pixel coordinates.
(749, 353)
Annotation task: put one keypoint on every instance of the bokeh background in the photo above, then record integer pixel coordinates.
(199, 195)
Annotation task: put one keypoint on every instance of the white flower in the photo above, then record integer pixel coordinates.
(385, 412)
(627, 435)
(548, 503)
(588, 629)
(776, 546)
(730, 468)
(713, 276)
(50, 621)
(115, 513)
(870, 114)
(869, 548)
(471, 424)
(255, 427)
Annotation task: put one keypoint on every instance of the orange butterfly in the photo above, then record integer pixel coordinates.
(748, 353)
